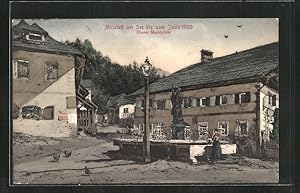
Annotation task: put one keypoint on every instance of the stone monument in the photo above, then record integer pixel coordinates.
(178, 124)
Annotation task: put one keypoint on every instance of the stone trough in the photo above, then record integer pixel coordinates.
(180, 150)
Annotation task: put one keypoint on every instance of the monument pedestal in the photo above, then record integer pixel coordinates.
(178, 130)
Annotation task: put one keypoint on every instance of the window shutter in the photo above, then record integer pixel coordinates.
(190, 101)
(230, 98)
(150, 103)
(236, 98)
(252, 97)
(48, 113)
(248, 97)
(274, 100)
(194, 102)
(143, 103)
(185, 102)
(154, 104)
(212, 100)
(167, 104)
(217, 100)
(138, 104)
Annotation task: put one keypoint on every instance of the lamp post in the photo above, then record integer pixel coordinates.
(146, 141)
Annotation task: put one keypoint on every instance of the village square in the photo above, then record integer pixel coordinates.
(79, 118)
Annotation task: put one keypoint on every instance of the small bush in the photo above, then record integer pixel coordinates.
(15, 111)
(245, 144)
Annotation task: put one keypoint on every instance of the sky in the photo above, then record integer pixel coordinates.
(174, 48)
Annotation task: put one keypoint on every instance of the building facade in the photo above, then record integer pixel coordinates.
(45, 81)
(237, 93)
(121, 110)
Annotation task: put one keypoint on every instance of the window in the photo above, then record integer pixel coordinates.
(138, 130)
(48, 113)
(150, 103)
(243, 97)
(202, 102)
(140, 104)
(51, 71)
(157, 131)
(187, 133)
(160, 105)
(22, 69)
(202, 128)
(125, 110)
(272, 99)
(224, 126)
(223, 99)
(242, 127)
(187, 102)
(31, 112)
(34, 36)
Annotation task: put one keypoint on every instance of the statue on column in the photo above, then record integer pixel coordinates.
(178, 124)
(176, 99)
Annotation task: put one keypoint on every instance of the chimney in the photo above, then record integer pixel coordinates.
(206, 56)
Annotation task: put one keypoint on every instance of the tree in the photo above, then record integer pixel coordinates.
(110, 78)
(275, 133)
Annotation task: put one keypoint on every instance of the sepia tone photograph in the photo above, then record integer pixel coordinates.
(145, 101)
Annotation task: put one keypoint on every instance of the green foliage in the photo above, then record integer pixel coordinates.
(15, 111)
(275, 133)
(110, 78)
(245, 144)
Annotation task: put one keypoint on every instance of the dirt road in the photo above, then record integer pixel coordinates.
(31, 165)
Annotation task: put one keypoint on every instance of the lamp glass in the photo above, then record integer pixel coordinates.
(146, 67)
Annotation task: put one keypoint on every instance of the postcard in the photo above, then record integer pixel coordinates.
(145, 101)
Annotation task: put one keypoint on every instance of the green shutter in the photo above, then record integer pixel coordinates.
(248, 97)
(207, 100)
(236, 98)
(217, 100)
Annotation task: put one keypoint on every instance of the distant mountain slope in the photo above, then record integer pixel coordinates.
(162, 72)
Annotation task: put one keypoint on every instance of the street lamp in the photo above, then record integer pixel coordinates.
(146, 141)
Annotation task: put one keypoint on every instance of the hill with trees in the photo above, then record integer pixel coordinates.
(110, 78)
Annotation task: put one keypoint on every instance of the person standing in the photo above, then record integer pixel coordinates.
(216, 149)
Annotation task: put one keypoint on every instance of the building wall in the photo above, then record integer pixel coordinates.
(24, 90)
(230, 112)
(65, 119)
(131, 109)
(36, 91)
(267, 110)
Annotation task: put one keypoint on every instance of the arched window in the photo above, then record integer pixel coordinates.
(48, 113)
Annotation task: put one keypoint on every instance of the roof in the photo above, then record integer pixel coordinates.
(86, 102)
(49, 45)
(86, 83)
(245, 66)
(121, 99)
